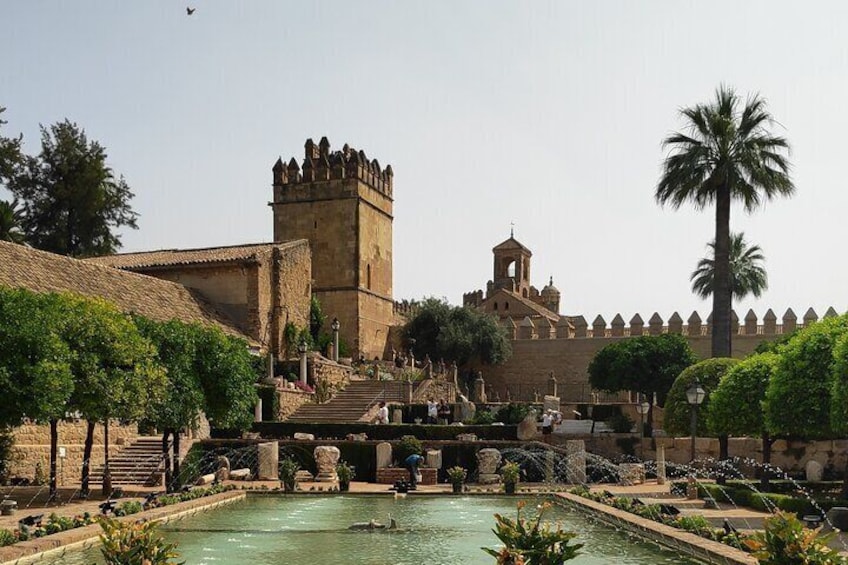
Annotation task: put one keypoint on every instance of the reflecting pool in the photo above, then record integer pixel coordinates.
(273, 530)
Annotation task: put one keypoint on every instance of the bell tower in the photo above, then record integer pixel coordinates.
(343, 204)
(512, 266)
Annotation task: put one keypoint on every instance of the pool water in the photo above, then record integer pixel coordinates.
(432, 530)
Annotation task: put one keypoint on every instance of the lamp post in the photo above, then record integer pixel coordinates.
(642, 408)
(336, 325)
(695, 395)
(302, 349)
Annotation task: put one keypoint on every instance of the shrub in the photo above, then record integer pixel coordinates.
(483, 418)
(135, 544)
(510, 472)
(345, 472)
(677, 415)
(620, 423)
(7, 538)
(512, 413)
(532, 542)
(457, 475)
(128, 507)
(786, 541)
(288, 473)
(407, 446)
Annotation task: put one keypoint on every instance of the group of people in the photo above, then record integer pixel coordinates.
(438, 413)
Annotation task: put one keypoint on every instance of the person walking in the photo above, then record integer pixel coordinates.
(547, 426)
(383, 414)
(411, 463)
(432, 411)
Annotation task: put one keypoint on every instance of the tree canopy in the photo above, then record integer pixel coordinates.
(677, 415)
(747, 274)
(72, 201)
(465, 335)
(645, 364)
(736, 405)
(726, 153)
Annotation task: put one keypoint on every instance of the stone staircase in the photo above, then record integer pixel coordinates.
(140, 463)
(351, 404)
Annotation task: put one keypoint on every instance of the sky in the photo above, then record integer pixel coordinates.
(546, 115)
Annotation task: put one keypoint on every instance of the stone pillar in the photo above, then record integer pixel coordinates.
(434, 458)
(552, 385)
(269, 461)
(660, 464)
(335, 342)
(257, 410)
(303, 367)
(384, 455)
(575, 466)
(480, 388)
(488, 461)
(326, 459)
(397, 416)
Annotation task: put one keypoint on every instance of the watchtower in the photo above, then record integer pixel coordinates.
(512, 267)
(342, 203)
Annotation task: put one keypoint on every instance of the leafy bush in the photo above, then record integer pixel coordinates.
(135, 544)
(620, 423)
(7, 537)
(532, 542)
(510, 472)
(407, 446)
(457, 475)
(677, 415)
(288, 473)
(512, 413)
(483, 418)
(128, 507)
(786, 541)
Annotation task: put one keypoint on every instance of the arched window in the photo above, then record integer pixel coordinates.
(496, 306)
(506, 305)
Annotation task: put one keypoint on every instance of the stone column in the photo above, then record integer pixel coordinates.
(434, 458)
(303, 367)
(257, 410)
(488, 461)
(480, 389)
(384, 455)
(575, 451)
(660, 464)
(326, 459)
(269, 461)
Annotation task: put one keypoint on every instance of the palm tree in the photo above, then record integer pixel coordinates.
(747, 274)
(726, 153)
(10, 222)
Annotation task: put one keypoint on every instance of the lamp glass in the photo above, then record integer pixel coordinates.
(695, 394)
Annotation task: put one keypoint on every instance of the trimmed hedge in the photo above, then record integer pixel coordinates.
(764, 501)
(281, 430)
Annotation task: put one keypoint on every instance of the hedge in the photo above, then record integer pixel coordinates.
(764, 501)
(281, 430)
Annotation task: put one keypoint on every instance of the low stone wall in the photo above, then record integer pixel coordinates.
(32, 447)
(390, 475)
(290, 401)
(322, 369)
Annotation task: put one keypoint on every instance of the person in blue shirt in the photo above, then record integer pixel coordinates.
(411, 463)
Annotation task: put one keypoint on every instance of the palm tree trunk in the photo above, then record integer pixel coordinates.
(86, 459)
(54, 455)
(166, 456)
(721, 285)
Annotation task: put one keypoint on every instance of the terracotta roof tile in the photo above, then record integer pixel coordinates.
(173, 257)
(40, 271)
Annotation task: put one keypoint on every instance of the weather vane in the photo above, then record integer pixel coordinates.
(512, 229)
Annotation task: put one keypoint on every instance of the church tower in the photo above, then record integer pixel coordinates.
(342, 203)
(512, 267)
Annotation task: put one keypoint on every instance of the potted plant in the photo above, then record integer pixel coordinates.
(532, 541)
(509, 475)
(288, 474)
(456, 476)
(345, 473)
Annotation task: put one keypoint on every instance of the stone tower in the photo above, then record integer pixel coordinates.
(342, 203)
(512, 267)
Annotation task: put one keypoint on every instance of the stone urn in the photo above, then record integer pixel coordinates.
(488, 461)
(326, 459)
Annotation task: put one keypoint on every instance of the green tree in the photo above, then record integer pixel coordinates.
(726, 154)
(72, 201)
(799, 396)
(839, 395)
(465, 335)
(35, 367)
(736, 405)
(316, 318)
(677, 417)
(11, 222)
(645, 364)
(114, 368)
(11, 157)
(747, 274)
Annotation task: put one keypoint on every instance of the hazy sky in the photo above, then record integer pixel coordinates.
(546, 114)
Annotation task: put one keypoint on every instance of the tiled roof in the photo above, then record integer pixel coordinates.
(537, 308)
(40, 271)
(511, 243)
(174, 257)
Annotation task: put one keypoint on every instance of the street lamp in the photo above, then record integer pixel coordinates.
(336, 325)
(642, 408)
(302, 348)
(695, 395)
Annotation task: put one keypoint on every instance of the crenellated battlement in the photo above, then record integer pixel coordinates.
(472, 299)
(695, 326)
(322, 165)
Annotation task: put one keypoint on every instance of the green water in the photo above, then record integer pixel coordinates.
(312, 530)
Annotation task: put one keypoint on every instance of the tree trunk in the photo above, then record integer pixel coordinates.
(107, 474)
(54, 455)
(723, 455)
(166, 458)
(177, 484)
(764, 475)
(85, 491)
(722, 290)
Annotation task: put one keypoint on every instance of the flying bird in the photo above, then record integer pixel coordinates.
(190, 11)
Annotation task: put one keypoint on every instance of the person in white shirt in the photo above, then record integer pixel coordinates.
(547, 426)
(383, 414)
(432, 411)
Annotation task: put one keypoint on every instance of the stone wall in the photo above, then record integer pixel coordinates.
(322, 369)
(32, 446)
(290, 400)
